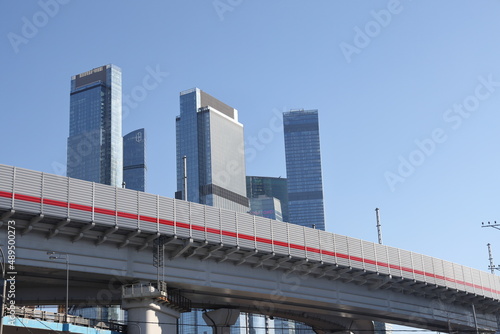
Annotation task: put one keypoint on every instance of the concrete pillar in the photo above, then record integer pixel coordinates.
(221, 320)
(149, 317)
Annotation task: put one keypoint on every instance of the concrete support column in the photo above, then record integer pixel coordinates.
(149, 317)
(221, 320)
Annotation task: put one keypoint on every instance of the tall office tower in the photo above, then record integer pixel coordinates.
(95, 151)
(270, 187)
(210, 138)
(134, 160)
(303, 168)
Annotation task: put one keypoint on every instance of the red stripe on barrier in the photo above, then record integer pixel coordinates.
(54, 203)
(213, 230)
(229, 234)
(27, 198)
(148, 219)
(198, 228)
(247, 237)
(127, 215)
(80, 207)
(105, 211)
(280, 243)
(5, 194)
(166, 222)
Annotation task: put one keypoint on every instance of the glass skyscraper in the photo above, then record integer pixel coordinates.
(270, 187)
(134, 160)
(209, 135)
(95, 151)
(303, 168)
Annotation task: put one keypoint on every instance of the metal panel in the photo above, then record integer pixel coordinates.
(340, 244)
(280, 237)
(246, 238)
(104, 204)
(394, 265)
(449, 275)
(476, 280)
(428, 269)
(55, 195)
(6, 186)
(198, 221)
(406, 264)
(166, 215)
(485, 283)
(28, 191)
(355, 253)
(80, 200)
(382, 260)
(147, 206)
(228, 227)
(212, 222)
(418, 267)
(296, 235)
(469, 287)
(458, 274)
(127, 208)
(182, 218)
(328, 252)
(496, 286)
(263, 234)
(148, 211)
(369, 256)
(6, 178)
(312, 244)
(438, 271)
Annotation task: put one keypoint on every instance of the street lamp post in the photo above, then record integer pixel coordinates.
(59, 256)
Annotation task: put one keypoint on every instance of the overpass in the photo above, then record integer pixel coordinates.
(218, 259)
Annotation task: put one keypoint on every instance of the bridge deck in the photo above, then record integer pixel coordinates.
(143, 217)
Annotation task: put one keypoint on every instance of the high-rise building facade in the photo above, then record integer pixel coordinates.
(95, 151)
(303, 168)
(267, 207)
(134, 160)
(210, 138)
(270, 187)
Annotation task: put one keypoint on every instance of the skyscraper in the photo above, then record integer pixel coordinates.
(209, 135)
(210, 138)
(95, 151)
(134, 160)
(270, 187)
(303, 168)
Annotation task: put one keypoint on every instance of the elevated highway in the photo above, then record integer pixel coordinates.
(222, 259)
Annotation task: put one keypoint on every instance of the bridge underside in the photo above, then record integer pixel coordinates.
(333, 298)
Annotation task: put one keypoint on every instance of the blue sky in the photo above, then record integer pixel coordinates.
(408, 94)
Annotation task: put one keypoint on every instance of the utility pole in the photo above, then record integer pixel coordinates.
(379, 227)
(492, 267)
